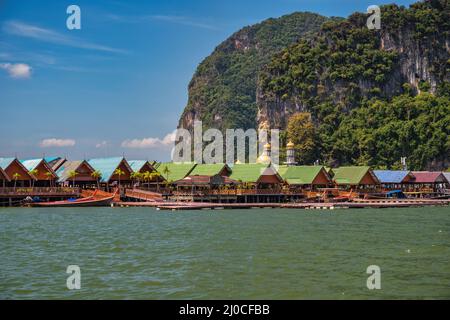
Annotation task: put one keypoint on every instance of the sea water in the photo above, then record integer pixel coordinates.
(141, 253)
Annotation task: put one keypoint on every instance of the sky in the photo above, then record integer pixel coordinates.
(118, 85)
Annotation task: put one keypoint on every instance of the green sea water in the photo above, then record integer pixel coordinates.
(141, 253)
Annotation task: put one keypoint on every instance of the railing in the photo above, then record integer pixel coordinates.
(39, 191)
(160, 190)
(221, 192)
(189, 193)
(233, 192)
(259, 192)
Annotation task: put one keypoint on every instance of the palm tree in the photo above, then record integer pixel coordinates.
(147, 177)
(157, 176)
(141, 178)
(16, 176)
(154, 176)
(97, 175)
(49, 176)
(136, 176)
(33, 172)
(119, 172)
(166, 171)
(72, 175)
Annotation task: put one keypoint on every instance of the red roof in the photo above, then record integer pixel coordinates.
(428, 177)
(3, 175)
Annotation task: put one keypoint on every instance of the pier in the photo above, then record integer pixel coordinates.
(360, 204)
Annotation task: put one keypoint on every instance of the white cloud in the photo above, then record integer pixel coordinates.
(48, 143)
(172, 19)
(38, 33)
(101, 144)
(17, 70)
(149, 143)
(169, 139)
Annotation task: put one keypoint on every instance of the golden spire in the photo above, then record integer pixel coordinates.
(265, 156)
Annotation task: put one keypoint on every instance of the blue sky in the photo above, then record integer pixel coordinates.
(122, 78)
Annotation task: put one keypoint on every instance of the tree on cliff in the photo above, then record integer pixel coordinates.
(301, 132)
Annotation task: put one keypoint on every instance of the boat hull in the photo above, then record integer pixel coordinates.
(81, 203)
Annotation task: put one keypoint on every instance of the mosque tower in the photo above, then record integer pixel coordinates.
(290, 154)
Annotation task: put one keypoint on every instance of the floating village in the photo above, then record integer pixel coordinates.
(58, 182)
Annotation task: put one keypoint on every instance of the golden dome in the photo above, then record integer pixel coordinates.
(267, 146)
(290, 145)
(264, 159)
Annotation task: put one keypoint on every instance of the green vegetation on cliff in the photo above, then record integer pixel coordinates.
(380, 132)
(346, 94)
(222, 92)
(366, 108)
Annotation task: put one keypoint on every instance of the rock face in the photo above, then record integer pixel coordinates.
(374, 95)
(411, 48)
(222, 91)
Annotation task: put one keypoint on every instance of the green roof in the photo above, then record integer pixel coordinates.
(349, 175)
(330, 171)
(208, 169)
(247, 172)
(177, 171)
(299, 174)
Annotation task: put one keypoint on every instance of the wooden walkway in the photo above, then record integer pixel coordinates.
(143, 195)
(313, 205)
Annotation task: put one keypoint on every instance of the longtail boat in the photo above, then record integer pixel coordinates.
(90, 201)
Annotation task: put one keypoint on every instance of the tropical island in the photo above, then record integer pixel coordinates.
(344, 94)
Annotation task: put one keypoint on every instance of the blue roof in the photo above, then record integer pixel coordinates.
(50, 159)
(137, 165)
(31, 164)
(5, 162)
(391, 176)
(69, 166)
(106, 166)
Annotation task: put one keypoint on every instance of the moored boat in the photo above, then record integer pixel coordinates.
(90, 201)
